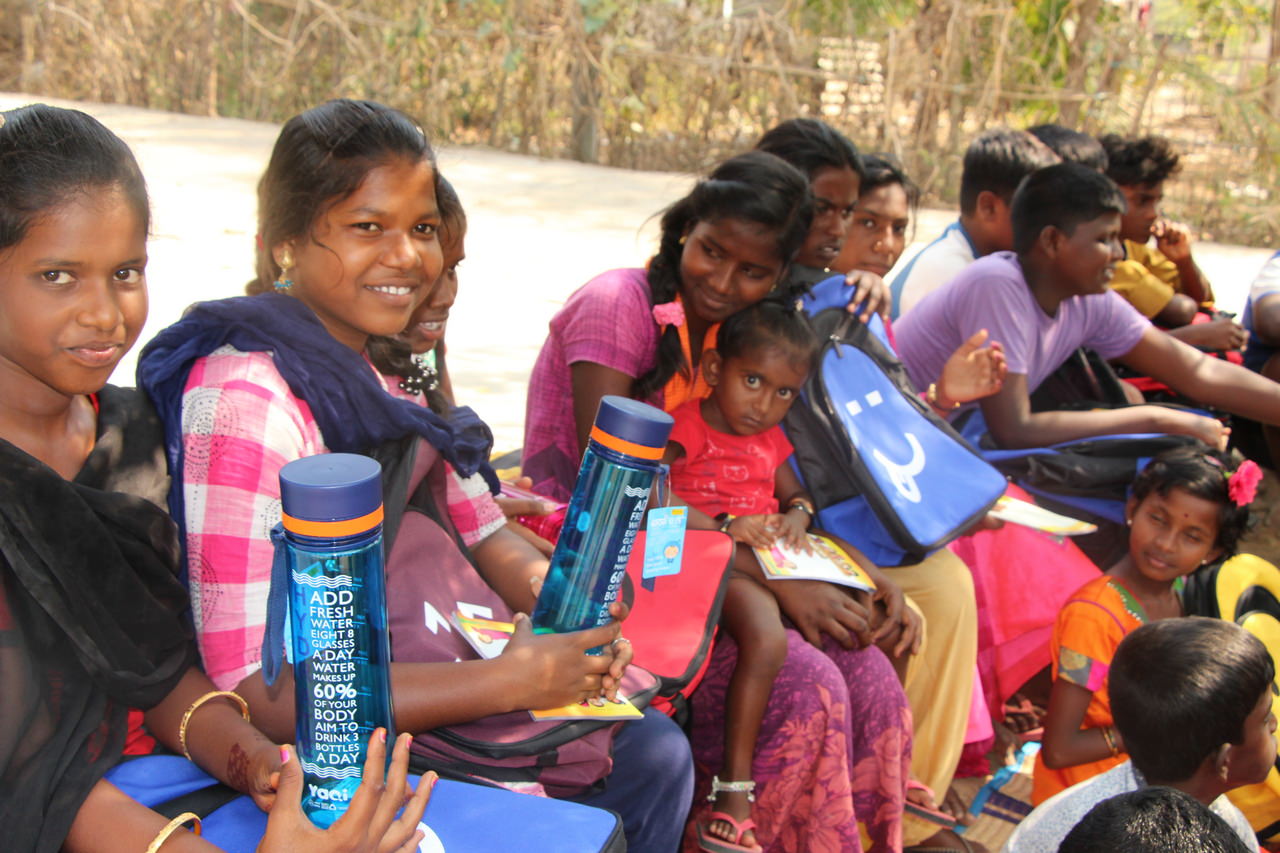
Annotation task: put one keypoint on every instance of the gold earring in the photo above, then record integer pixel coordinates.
(283, 282)
(683, 237)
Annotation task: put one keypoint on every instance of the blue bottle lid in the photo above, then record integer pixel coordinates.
(331, 495)
(631, 427)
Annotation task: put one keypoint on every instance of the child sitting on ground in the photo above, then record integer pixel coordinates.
(1188, 508)
(1051, 297)
(1192, 703)
(728, 458)
(1162, 282)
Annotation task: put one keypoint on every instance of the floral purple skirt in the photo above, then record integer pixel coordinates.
(834, 749)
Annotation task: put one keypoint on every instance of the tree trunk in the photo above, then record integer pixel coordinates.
(1077, 63)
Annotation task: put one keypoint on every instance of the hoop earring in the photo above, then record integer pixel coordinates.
(283, 282)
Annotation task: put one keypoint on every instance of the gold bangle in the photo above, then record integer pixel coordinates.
(212, 694)
(171, 827)
(932, 397)
(1111, 741)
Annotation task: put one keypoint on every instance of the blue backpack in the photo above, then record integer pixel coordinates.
(887, 474)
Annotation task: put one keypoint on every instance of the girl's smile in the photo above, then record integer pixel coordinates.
(73, 295)
(426, 329)
(727, 265)
(371, 257)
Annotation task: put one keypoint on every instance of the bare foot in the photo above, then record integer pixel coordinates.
(954, 805)
(1021, 715)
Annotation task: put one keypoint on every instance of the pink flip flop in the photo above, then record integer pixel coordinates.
(934, 816)
(715, 844)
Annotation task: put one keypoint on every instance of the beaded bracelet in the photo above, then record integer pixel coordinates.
(212, 694)
(171, 827)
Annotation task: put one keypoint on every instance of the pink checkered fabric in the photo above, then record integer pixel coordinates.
(240, 425)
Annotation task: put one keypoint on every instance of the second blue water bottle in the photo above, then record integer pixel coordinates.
(619, 470)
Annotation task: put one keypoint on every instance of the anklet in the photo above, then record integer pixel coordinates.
(717, 787)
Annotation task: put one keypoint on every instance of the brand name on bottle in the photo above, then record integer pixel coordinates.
(331, 795)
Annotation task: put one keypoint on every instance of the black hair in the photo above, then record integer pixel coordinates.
(997, 161)
(771, 322)
(1201, 472)
(1135, 162)
(880, 170)
(811, 145)
(1181, 688)
(321, 157)
(453, 217)
(756, 187)
(49, 155)
(1152, 820)
(1072, 145)
(1062, 196)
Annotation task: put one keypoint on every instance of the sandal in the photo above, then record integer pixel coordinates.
(935, 815)
(714, 843)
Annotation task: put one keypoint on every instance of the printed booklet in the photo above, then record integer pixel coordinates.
(826, 563)
(489, 638)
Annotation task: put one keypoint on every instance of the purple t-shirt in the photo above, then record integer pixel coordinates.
(992, 294)
(607, 321)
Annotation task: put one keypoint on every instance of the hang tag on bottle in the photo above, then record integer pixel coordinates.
(664, 543)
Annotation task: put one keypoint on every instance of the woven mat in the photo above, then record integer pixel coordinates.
(1004, 806)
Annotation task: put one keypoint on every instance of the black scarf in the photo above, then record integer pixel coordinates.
(92, 617)
(351, 408)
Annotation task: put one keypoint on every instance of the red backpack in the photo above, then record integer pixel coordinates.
(671, 627)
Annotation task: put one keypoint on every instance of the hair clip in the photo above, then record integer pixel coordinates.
(669, 314)
(1, 119)
(1242, 485)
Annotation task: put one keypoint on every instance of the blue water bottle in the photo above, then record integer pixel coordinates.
(331, 512)
(619, 469)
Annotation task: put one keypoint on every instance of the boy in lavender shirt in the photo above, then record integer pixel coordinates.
(1047, 298)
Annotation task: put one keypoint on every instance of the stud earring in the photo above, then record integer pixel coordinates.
(683, 237)
(283, 282)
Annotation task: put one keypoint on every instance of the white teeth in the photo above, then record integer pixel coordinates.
(394, 291)
(432, 326)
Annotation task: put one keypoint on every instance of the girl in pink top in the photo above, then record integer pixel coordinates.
(348, 221)
(835, 738)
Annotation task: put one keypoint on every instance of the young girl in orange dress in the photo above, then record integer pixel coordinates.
(1189, 508)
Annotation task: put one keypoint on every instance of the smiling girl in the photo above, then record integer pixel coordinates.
(348, 222)
(425, 334)
(92, 618)
(1189, 507)
(834, 743)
